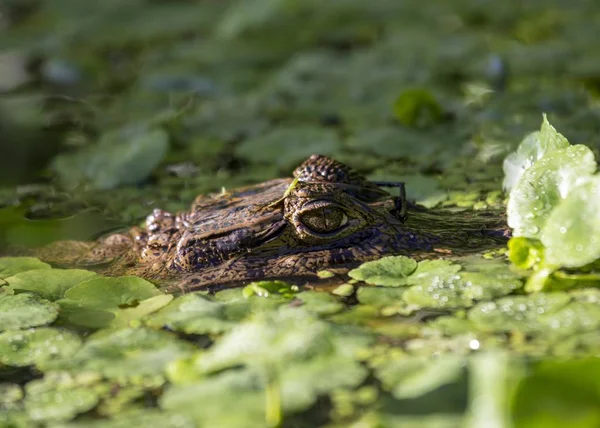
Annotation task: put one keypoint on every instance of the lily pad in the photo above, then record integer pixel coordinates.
(10, 266)
(571, 234)
(126, 156)
(245, 388)
(429, 270)
(388, 271)
(411, 377)
(379, 296)
(516, 312)
(131, 355)
(461, 290)
(574, 318)
(25, 310)
(544, 185)
(319, 303)
(193, 314)
(111, 293)
(49, 284)
(23, 348)
(58, 398)
(289, 146)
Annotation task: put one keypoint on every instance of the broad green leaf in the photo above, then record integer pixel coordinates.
(533, 147)
(558, 393)
(388, 271)
(58, 398)
(571, 234)
(525, 253)
(10, 266)
(25, 310)
(575, 318)
(302, 382)
(193, 314)
(274, 339)
(245, 388)
(516, 312)
(461, 290)
(417, 107)
(266, 288)
(10, 395)
(49, 284)
(379, 296)
(111, 293)
(411, 377)
(544, 186)
(126, 316)
(289, 146)
(319, 303)
(131, 355)
(126, 156)
(33, 346)
(144, 417)
(428, 270)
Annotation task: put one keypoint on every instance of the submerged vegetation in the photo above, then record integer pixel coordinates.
(110, 110)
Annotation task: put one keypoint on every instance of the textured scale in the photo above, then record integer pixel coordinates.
(258, 232)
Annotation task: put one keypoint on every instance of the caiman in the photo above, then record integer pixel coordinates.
(326, 216)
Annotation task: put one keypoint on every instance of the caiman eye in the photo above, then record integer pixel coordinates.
(325, 219)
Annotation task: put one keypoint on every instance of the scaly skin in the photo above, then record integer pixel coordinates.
(327, 216)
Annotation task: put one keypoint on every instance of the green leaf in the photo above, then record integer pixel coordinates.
(304, 381)
(111, 293)
(193, 314)
(411, 377)
(10, 395)
(533, 147)
(525, 253)
(126, 156)
(558, 393)
(23, 348)
(428, 270)
(575, 318)
(417, 107)
(25, 310)
(273, 338)
(289, 146)
(379, 296)
(266, 288)
(571, 234)
(126, 316)
(10, 266)
(145, 417)
(462, 289)
(388, 271)
(131, 355)
(50, 284)
(516, 312)
(58, 398)
(217, 393)
(320, 303)
(544, 185)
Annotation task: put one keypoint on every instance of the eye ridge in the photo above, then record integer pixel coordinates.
(324, 218)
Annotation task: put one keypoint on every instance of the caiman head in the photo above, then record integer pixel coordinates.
(327, 216)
